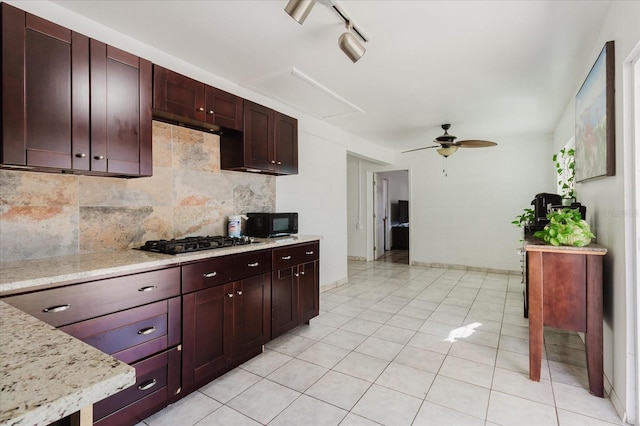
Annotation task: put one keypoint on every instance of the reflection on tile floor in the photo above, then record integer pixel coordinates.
(405, 345)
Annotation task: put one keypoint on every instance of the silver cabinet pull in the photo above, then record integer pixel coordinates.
(273, 161)
(148, 288)
(211, 111)
(210, 274)
(81, 155)
(148, 385)
(279, 162)
(239, 292)
(253, 265)
(302, 273)
(309, 252)
(99, 157)
(297, 275)
(200, 109)
(59, 308)
(286, 257)
(147, 330)
(230, 295)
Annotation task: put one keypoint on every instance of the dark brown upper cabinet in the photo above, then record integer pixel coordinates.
(70, 103)
(180, 99)
(269, 143)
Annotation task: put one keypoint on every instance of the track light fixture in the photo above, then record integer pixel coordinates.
(350, 45)
(299, 9)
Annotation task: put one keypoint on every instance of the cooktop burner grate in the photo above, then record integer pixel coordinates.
(191, 244)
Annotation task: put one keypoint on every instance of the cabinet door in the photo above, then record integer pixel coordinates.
(45, 92)
(308, 291)
(178, 94)
(120, 112)
(284, 301)
(259, 128)
(251, 316)
(207, 330)
(286, 144)
(223, 109)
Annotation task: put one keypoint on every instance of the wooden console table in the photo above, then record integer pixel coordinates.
(565, 291)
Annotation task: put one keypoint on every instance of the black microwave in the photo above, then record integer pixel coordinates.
(267, 225)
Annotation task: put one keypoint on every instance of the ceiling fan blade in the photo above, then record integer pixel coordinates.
(474, 144)
(419, 149)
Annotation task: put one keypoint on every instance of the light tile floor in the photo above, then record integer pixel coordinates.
(405, 345)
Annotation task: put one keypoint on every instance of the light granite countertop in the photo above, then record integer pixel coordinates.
(45, 374)
(38, 274)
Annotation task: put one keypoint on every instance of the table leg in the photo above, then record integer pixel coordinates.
(536, 314)
(593, 335)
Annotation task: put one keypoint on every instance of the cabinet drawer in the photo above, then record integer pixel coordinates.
(157, 381)
(224, 269)
(289, 256)
(135, 333)
(66, 305)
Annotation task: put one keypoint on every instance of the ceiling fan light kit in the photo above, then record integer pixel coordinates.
(448, 145)
(348, 42)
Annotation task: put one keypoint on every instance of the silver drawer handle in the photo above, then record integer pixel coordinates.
(201, 109)
(148, 385)
(99, 157)
(81, 155)
(210, 274)
(309, 252)
(59, 308)
(147, 330)
(286, 257)
(230, 295)
(148, 288)
(302, 273)
(253, 265)
(239, 292)
(297, 275)
(211, 111)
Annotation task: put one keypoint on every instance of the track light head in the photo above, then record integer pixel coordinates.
(299, 9)
(350, 45)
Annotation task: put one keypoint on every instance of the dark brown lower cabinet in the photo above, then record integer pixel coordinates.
(222, 327)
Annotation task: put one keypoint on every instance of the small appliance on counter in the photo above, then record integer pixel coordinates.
(269, 225)
(542, 206)
(234, 225)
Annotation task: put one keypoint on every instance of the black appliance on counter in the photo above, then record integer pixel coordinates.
(269, 225)
(191, 244)
(545, 203)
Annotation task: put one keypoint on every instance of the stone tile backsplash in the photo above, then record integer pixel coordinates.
(46, 214)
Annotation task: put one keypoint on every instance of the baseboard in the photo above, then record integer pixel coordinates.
(466, 268)
(329, 286)
(356, 258)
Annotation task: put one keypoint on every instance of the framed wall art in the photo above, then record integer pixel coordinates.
(595, 119)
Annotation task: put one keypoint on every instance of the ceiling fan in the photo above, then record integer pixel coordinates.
(447, 145)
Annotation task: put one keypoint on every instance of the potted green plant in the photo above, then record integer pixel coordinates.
(567, 228)
(525, 219)
(566, 169)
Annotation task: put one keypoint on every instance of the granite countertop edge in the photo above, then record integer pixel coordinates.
(39, 274)
(47, 375)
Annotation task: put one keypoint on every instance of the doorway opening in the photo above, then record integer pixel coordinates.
(391, 216)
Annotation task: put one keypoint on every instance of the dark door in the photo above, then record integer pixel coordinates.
(223, 109)
(308, 291)
(177, 94)
(284, 301)
(206, 334)
(258, 137)
(286, 140)
(252, 314)
(45, 80)
(120, 111)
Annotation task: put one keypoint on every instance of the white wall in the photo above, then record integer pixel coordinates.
(464, 218)
(319, 194)
(604, 198)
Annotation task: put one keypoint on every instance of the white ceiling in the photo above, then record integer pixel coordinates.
(490, 68)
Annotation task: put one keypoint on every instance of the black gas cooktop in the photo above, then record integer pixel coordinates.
(191, 244)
